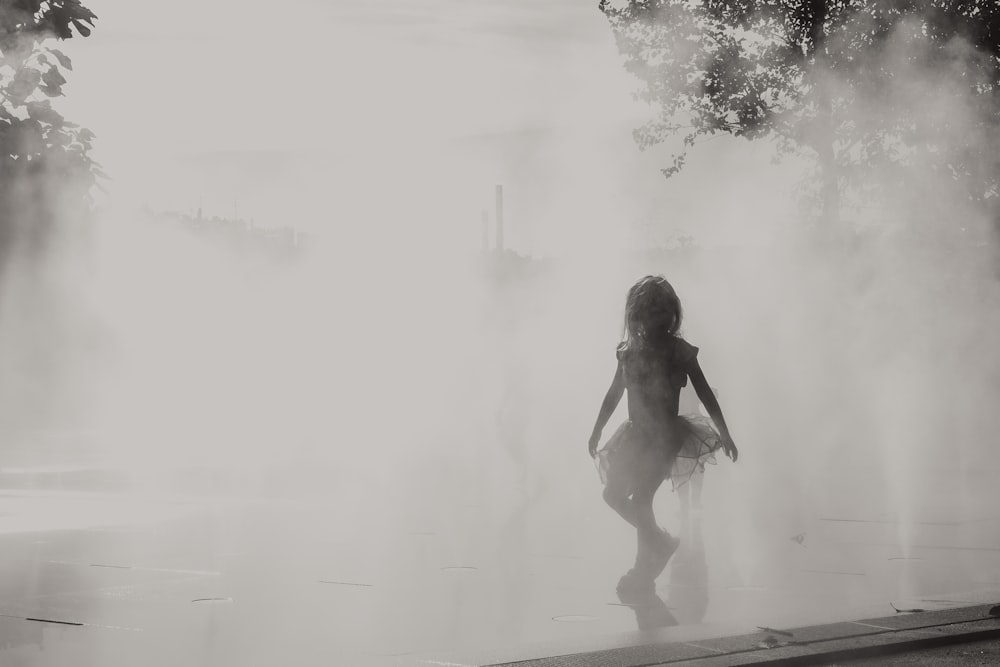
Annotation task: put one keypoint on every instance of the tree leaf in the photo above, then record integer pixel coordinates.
(25, 83)
(35, 107)
(59, 139)
(57, 20)
(82, 29)
(62, 58)
(50, 91)
(53, 77)
(43, 112)
(915, 610)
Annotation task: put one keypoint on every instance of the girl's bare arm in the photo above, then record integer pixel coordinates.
(611, 400)
(711, 403)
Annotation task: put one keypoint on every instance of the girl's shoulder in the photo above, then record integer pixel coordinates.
(684, 353)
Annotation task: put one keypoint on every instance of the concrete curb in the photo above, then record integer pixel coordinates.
(811, 645)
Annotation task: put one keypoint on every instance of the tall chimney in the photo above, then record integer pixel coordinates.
(499, 219)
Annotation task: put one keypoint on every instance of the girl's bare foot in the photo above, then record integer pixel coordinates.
(634, 587)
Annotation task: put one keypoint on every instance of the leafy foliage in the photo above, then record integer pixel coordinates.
(45, 161)
(830, 77)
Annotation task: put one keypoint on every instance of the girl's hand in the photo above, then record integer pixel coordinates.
(595, 440)
(729, 447)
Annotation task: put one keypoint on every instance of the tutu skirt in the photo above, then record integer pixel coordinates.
(630, 454)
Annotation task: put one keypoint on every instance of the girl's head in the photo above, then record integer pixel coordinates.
(652, 312)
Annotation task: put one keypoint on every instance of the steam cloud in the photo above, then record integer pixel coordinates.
(390, 364)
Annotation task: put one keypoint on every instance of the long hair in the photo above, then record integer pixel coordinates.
(652, 313)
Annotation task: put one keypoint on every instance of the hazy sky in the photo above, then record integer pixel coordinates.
(225, 74)
(271, 107)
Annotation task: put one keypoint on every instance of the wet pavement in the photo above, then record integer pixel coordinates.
(460, 576)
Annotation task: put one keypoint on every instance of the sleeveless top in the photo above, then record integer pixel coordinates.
(654, 378)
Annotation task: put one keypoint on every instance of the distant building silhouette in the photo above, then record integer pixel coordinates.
(279, 242)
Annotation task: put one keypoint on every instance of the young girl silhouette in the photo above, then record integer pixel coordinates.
(655, 443)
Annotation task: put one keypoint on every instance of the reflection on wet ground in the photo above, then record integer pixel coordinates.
(122, 580)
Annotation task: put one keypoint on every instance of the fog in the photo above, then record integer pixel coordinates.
(395, 378)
